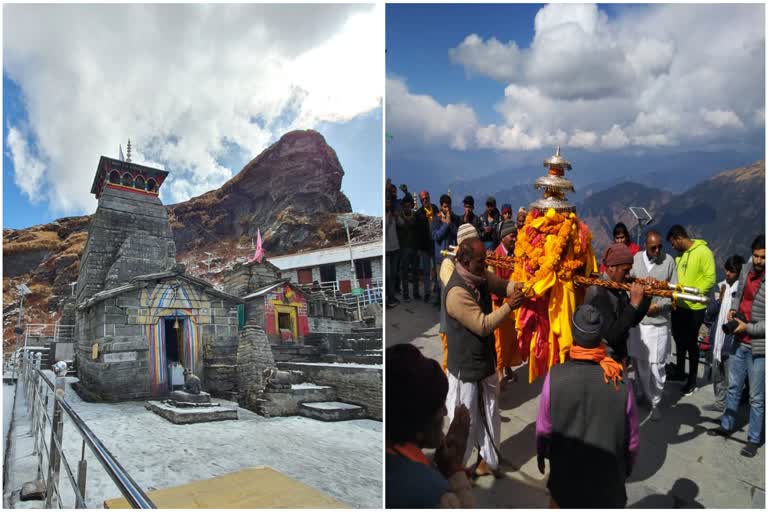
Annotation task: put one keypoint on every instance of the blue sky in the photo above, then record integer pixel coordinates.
(476, 90)
(78, 81)
(433, 29)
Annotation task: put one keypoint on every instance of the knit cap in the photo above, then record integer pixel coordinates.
(586, 323)
(507, 227)
(466, 231)
(506, 208)
(617, 254)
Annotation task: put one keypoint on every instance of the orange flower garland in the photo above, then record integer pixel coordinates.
(541, 245)
(550, 248)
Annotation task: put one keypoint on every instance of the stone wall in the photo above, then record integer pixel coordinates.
(246, 278)
(322, 325)
(120, 327)
(361, 385)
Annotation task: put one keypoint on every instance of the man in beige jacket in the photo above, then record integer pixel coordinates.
(470, 323)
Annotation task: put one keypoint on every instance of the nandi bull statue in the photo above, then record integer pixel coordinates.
(191, 382)
(279, 379)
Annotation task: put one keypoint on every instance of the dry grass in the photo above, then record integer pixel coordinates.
(32, 241)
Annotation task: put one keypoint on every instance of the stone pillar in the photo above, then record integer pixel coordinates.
(254, 355)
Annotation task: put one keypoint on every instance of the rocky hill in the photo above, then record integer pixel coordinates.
(291, 192)
(727, 210)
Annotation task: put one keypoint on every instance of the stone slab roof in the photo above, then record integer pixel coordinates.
(138, 282)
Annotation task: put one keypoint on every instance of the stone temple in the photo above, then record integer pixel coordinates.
(140, 319)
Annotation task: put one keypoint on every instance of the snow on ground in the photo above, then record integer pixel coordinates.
(308, 385)
(345, 365)
(7, 410)
(341, 459)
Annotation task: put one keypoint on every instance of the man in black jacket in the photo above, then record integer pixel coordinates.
(425, 245)
(619, 312)
(469, 216)
(587, 423)
(407, 234)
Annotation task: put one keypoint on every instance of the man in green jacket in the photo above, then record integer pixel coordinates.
(695, 267)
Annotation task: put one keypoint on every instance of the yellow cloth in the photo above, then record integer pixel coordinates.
(561, 296)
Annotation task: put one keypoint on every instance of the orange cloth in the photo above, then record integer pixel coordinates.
(410, 451)
(444, 339)
(507, 351)
(611, 369)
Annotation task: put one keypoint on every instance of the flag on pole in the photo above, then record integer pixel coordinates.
(122, 158)
(259, 255)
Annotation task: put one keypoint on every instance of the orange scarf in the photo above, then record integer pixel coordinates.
(611, 369)
(410, 451)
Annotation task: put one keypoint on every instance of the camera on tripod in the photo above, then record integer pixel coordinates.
(729, 327)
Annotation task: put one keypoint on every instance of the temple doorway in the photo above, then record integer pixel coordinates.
(174, 351)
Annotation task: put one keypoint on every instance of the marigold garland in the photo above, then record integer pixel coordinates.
(550, 249)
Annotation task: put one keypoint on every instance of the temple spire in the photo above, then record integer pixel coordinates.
(128, 150)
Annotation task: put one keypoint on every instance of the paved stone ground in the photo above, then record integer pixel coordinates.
(341, 459)
(679, 465)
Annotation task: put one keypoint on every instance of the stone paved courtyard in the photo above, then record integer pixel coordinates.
(341, 459)
(679, 465)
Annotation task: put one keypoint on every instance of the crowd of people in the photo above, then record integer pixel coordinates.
(587, 424)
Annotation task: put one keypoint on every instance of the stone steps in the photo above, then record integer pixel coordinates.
(331, 411)
(287, 402)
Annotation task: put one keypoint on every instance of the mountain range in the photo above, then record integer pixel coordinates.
(726, 210)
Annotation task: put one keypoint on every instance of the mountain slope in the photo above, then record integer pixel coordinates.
(727, 210)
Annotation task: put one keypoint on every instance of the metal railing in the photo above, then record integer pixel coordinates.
(48, 423)
(63, 332)
(38, 331)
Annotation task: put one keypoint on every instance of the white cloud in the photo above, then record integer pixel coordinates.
(721, 118)
(506, 137)
(492, 58)
(420, 117)
(191, 85)
(28, 170)
(582, 139)
(615, 138)
(633, 80)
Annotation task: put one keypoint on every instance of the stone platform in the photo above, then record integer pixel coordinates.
(199, 413)
(331, 411)
(183, 399)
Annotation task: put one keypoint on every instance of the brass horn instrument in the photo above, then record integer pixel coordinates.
(653, 287)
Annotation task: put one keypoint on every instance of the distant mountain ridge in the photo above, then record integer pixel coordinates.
(726, 210)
